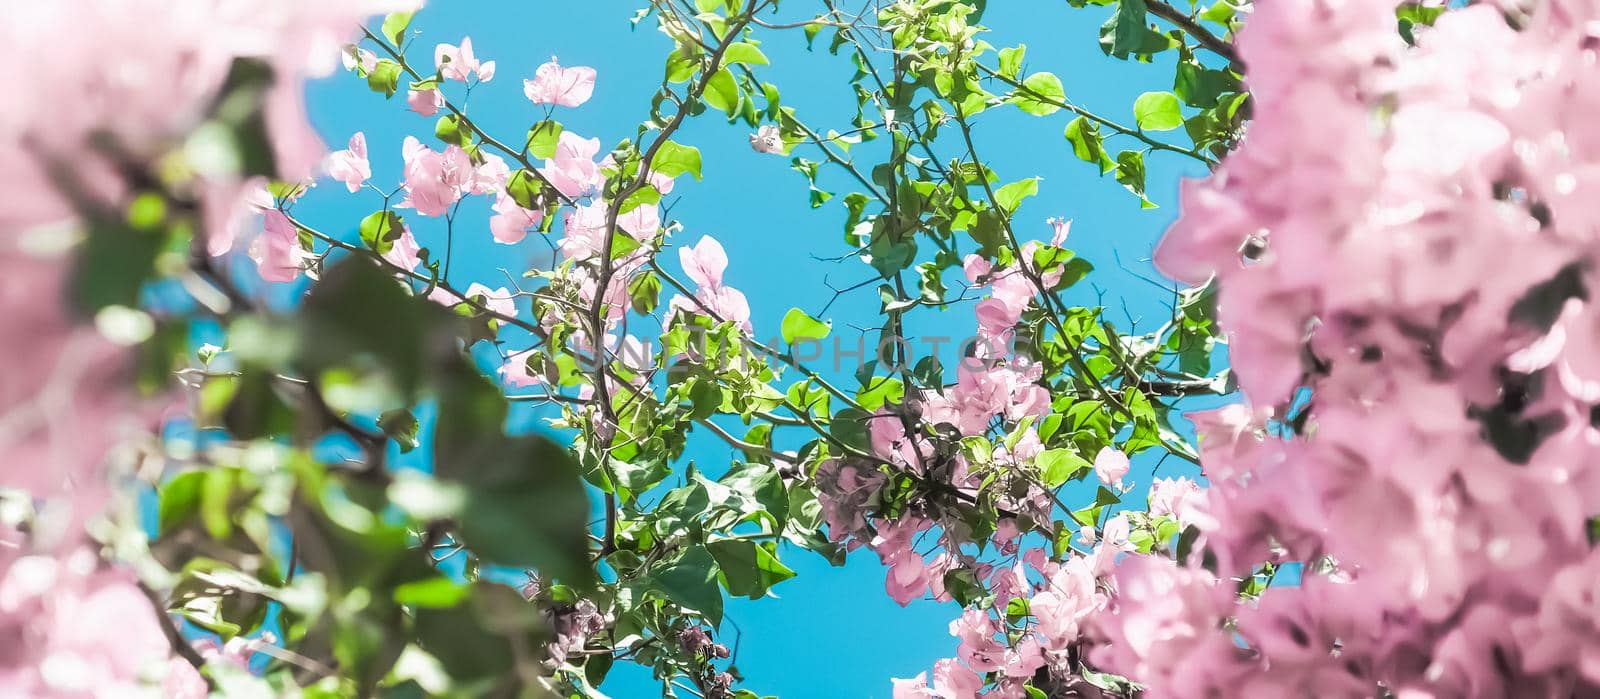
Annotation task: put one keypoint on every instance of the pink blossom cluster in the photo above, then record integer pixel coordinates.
(55, 614)
(1406, 244)
(573, 178)
(991, 392)
(704, 263)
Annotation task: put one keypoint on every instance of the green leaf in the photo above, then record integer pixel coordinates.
(963, 585)
(1074, 271)
(1128, 33)
(112, 265)
(216, 495)
(681, 65)
(799, 325)
(743, 52)
(640, 475)
(1009, 197)
(543, 137)
(705, 398)
(255, 409)
(525, 188)
(1130, 174)
(673, 159)
(812, 29)
(1040, 94)
(1157, 111)
(526, 505)
(1011, 60)
(401, 426)
(880, 390)
(385, 77)
(1084, 135)
(644, 292)
(648, 194)
(179, 500)
(890, 255)
(432, 593)
(722, 92)
(622, 244)
(449, 129)
(748, 568)
(1057, 466)
(473, 641)
(380, 229)
(849, 427)
(395, 25)
(692, 583)
(1199, 86)
(1222, 12)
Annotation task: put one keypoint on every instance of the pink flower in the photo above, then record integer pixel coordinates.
(1566, 631)
(1023, 659)
(978, 647)
(228, 213)
(642, 223)
(350, 166)
(73, 630)
(354, 57)
(444, 298)
(499, 300)
(1168, 619)
(405, 253)
(705, 263)
(952, 680)
(1005, 536)
(459, 63)
(567, 87)
(435, 180)
(1063, 607)
(1177, 497)
(515, 371)
(1113, 542)
(1110, 465)
(425, 102)
(572, 169)
(490, 176)
(982, 392)
(583, 231)
(1060, 227)
(662, 183)
(914, 688)
(767, 139)
(976, 268)
(277, 251)
(635, 354)
(845, 492)
(511, 223)
(908, 576)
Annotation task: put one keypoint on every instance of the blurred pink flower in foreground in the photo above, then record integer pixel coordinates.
(113, 84)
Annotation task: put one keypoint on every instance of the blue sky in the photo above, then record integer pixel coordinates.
(831, 632)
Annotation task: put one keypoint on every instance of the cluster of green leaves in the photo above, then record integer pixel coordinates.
(353, 584)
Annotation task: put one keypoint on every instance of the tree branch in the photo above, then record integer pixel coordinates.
(1201, 35)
